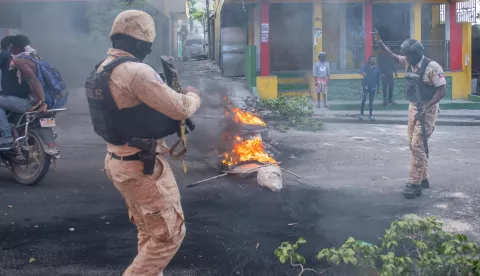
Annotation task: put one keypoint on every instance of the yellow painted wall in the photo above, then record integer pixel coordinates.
(267, 87)
(317, 23)
(417, 19)
(463, 84)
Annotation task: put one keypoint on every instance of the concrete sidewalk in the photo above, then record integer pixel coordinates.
(446, 117)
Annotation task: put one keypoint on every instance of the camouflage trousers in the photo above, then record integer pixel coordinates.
(418, 163)
(153, 203)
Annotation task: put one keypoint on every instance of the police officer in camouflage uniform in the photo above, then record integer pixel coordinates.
(133, 110)
(432, 88)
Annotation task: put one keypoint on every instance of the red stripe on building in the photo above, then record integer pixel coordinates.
(456, 59)
(368, 28)
(265, 39)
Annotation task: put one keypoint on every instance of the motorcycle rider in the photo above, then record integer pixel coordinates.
(9, 77)
(25, 96)
(135, 88)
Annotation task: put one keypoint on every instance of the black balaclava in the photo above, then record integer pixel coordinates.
(414, 57)
(138, 48)
(322, 58)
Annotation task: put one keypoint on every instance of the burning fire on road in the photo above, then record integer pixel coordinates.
(245, 150)
(244, 135)
(242, 150)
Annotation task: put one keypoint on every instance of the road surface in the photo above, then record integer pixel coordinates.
(75, 222)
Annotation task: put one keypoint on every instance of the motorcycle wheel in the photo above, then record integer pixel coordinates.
(38, 162)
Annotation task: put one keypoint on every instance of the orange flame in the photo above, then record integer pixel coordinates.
(246, 118)
(247, 150)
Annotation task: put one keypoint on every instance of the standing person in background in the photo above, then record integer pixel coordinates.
(387, 69)
(371, 84)
(321, 72)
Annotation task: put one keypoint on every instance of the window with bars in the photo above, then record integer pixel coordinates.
(442, 14)
(467, 12)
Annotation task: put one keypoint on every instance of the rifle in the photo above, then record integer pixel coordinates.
(421, 118)
(172, 80)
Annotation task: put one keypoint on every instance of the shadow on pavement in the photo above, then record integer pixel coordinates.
(233, 228)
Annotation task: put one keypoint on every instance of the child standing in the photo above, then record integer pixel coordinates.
(371, 84)
(321, 73)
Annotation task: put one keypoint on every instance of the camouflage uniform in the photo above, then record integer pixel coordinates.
(153, 201)
(418, 164)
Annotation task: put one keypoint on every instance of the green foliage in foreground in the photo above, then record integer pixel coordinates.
(297, 111)
(411, 246)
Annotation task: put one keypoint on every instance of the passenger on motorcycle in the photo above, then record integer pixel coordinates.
(28, 94)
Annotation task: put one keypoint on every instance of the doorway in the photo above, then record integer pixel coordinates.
(291, 36)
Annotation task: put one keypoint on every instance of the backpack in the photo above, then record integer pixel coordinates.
(56, 94)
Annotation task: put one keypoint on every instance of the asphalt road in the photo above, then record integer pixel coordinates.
(75, 222)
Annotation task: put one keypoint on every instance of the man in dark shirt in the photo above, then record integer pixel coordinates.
(19, 95)
(371, 84)
(387, 69)
(8, 77)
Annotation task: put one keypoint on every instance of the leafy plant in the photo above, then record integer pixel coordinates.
(297, 111)
(412, 246)
(286, 253)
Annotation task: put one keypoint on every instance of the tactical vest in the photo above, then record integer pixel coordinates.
(119, 126)
(414, 81)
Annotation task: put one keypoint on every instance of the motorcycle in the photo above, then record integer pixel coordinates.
(34, 147)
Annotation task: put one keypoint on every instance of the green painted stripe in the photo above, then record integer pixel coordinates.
(474, 98)
(291, 80)
(290, 74)
(293, 87)
(294, 93)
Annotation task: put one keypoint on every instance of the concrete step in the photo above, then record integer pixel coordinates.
(444, 114)
(397, 121)
(403, 105)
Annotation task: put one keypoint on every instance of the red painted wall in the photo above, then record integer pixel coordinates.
(456, 59)
(265, 45)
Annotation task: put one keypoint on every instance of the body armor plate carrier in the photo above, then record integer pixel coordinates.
(120, 126)
(414, 81)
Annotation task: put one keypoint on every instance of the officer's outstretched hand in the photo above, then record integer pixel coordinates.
(192, 89)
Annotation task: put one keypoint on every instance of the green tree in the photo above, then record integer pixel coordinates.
(102, 13)
(196, 14)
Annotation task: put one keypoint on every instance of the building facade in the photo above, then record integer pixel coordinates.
(285, 38)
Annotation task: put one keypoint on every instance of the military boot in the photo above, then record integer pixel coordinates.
(412, 191)
(425, 184)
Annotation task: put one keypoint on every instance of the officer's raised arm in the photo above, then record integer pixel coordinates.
(152, 91)
(398, 59)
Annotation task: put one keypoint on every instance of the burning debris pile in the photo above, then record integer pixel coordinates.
(243, 150)
(242, 138)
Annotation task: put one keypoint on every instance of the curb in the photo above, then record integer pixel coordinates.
(395, 121)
